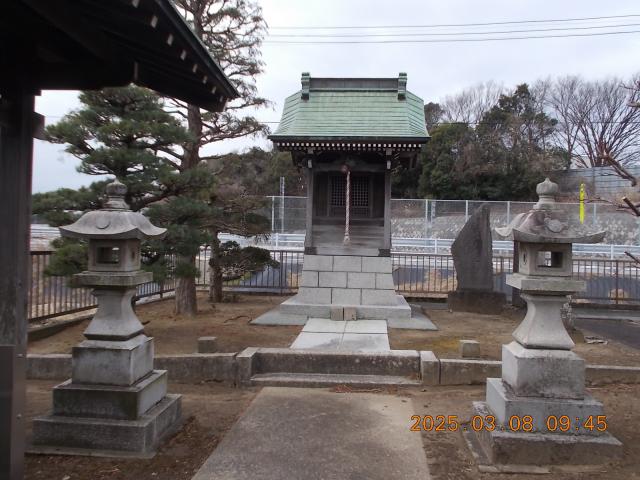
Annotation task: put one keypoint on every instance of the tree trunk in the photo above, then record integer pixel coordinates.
(215, 272)
(186, 303)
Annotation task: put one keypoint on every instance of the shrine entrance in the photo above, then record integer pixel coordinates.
(365, 205)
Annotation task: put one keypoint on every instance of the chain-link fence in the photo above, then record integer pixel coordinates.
(443, 219)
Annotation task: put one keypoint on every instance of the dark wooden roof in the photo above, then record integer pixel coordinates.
(91, 44)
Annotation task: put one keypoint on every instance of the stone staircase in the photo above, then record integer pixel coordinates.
(320, 380)
(326, 368)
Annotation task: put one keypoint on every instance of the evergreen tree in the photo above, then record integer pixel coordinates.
(232, 30)
(125, 132)
(120, 132)
(259, 171)
(503, 158)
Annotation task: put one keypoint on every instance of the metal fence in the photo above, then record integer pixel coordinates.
(52, 296)
(414, 274)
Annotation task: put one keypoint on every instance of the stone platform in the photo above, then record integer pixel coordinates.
(354, 336)
(348, 280)
(347, 288)
(303, 312)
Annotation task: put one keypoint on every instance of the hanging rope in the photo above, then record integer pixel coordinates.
(347, 204)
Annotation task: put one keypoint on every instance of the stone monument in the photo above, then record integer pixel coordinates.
(473, 258)
(542, 413)
(348, 134)
(115, 401)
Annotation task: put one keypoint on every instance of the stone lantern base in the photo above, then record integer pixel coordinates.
(541, 384)
(107, 436)
(114, 403)
(506, 450)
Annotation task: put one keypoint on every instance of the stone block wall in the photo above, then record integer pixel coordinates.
(347, 280)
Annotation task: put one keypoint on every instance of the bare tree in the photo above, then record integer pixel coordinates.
(610, 126)
(564, 101)
(470, 105)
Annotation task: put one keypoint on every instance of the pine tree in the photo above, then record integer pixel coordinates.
(232, 30)
(126, 132)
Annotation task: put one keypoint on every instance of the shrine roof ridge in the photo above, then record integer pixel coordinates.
(363, 109)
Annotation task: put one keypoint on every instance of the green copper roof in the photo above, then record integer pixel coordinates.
(352, 108)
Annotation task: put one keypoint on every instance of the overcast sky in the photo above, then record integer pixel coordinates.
(434, 69)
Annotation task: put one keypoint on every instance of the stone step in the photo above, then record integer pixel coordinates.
(600, 314)
(400, 363)
(319, 380)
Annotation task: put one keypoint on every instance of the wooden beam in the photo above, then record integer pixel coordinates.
(358, 167)
(16, 144)
(308, 238)
(83, 75)
(64, 15)
(387, 210)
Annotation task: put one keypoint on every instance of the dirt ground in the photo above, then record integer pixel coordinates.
(175, 334)
(450, 459)
(492, 331)
(209, 411)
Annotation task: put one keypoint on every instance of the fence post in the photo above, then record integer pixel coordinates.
(611, 250)
(433, 210)
(282, 267)
(273, 214)
(435, 245)
(426, 218)
(508, 212)
(466, 210)
(282, 204)
(617, 283)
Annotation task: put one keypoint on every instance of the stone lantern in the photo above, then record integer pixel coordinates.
(542, 379)
(115, 400)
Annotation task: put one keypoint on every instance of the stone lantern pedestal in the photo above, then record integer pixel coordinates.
(115, 401)
(541, 411)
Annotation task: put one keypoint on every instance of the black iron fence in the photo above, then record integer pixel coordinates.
(52, 296)
(415, 275)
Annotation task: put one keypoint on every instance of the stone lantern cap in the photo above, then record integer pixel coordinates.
(546, 222)
(114, 222)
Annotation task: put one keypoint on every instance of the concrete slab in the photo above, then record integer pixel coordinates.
(276, 317)
(364, 342)
(357, 336)
(293, 433)
(317, 340)
(294, 312)
(322, 325)
(418, 321)
(366, 326)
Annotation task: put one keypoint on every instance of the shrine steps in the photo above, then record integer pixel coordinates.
(320, 380)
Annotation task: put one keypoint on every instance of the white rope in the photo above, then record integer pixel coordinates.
(347, 239)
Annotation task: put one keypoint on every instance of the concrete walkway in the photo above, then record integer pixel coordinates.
(311, 434)
(355, 336)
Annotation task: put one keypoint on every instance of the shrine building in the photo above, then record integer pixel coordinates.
(349, 134)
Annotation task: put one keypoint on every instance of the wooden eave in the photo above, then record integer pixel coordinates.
(91, 44)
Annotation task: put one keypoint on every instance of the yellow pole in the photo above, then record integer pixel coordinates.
(582, 203)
